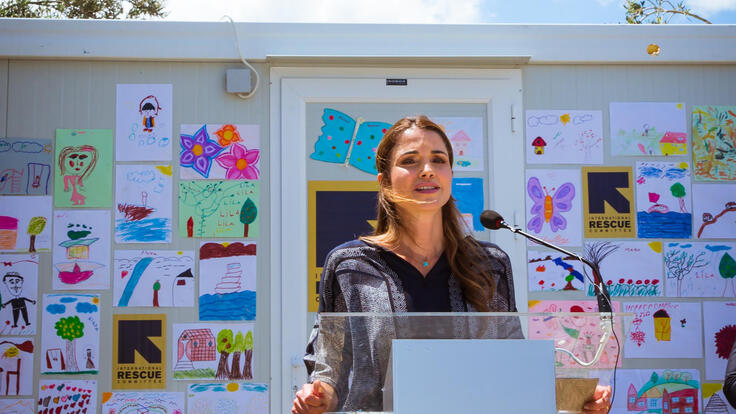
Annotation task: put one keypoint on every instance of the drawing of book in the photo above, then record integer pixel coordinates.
(349, 142)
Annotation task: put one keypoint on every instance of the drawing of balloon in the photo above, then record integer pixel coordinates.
(662, 327)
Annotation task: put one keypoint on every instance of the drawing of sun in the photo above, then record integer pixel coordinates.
(232, 387)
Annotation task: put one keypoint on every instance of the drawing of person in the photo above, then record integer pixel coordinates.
(149, 109)
(14, 282)
(75, 164)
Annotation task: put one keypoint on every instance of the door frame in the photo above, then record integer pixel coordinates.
(291, 89)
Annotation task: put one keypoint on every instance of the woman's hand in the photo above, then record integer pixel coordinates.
(315, 398)
(601, 401)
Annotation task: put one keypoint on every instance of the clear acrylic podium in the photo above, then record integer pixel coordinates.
(428, 362)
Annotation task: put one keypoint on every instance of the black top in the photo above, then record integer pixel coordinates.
(729, 386)
(429, 293)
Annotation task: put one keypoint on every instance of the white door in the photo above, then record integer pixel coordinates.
(293, 92)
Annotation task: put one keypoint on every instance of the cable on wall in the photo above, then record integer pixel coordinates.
(242, 59)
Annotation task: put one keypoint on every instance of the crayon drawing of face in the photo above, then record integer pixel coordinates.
(79, 161)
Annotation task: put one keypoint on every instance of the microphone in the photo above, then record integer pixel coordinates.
(493, 221)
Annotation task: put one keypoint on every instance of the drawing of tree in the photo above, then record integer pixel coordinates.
(248, 347)
(727, 269)
(238, 347)
(156, 288)
(678, 191)
(680, 263)
(206, 199)
(35, 227)
(224, 347)
(248, 214)
(70, 328)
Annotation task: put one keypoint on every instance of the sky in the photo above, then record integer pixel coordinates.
(429, 11)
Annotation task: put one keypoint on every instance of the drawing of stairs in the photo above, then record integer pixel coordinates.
(230, 282)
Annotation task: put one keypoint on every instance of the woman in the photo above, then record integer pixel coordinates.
(418, 259)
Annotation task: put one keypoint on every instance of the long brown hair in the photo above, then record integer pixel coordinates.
(66, 151)
(465, 255)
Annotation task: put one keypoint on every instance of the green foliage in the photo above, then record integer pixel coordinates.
(238, 344)
(248, 212)
(225, 341)
(156, 285)
(36, 225)
(678, 190)
(727, 267)
(82, 9)
(657, 11)
(248, 345)
(69, 328)
(654, 378)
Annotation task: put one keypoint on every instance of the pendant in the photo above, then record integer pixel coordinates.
(425, 263)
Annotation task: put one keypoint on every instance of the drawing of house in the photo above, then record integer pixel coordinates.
(196, 345)
(682, 401)
(664, 398)
(539, 145)
(460, 142)
(78, 249)
(673, 143)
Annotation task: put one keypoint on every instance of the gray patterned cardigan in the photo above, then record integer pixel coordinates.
(352, 354)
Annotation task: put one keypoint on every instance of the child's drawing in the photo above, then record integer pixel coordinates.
(551, 271)
(714, 402)
(553, 206)
(714, 143)
(18, 294)
(213, 351)
(719, 331)
(70, 342)
(564, 137)
(578, 334)
(629, 268)
(143, 122)
(466, 137)
(218, 209)
(663, 200)
(664, 330)
(16, 366)
(714, 211)
(81, 249)
(347, 141)
(23, 224)
(227, 281)
(700, 269)
(25, 166)
(143, 402)
(661, 391)
(16, 406)
(223, 151)
(65, 396)
(143, 204)
(157, 278)
(228, 398)
(648, 128)
(468, 195)
(83, 168)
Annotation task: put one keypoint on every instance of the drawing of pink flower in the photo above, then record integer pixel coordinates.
(240, 163)
(198, 151)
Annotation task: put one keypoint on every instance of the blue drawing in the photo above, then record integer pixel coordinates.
(663, 200)
(135, 277)
(342, 143)
(468, 194)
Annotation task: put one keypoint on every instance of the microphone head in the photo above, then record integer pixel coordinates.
(492, 220)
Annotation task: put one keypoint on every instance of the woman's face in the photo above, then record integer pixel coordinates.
(78, 162)
(420, 170)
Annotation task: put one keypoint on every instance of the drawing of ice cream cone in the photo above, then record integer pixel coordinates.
(662, 327)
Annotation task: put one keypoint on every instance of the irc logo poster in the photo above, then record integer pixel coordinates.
(338, 211)
(139, 352)
(608, 202)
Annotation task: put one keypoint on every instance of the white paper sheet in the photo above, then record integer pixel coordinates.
(466, 137)
(564, 137)
(714, 211)
(81, 249)
(553, 206)
(664, 330)
(225, 151)
(19, 293)
(632, 268)
(143, 125)
(694, 269)
(25, 224)
(70, 340)
(17, 365)
(648, 128)
(199, 348)
(550, 271)
(137, 273)
(227, 281)
(65, 396)
(719, 324)
(143, 204)
(642, 390)
(663, 200)
(233, 397)
(143, 402)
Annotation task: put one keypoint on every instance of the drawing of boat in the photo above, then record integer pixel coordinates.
(656, 208)
(76, 272)
(134, 212)
(230, 281)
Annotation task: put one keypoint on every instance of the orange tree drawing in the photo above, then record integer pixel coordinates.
(224, 347)
(248, 214)
(70, 329)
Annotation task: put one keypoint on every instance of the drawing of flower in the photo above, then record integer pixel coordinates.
(228, 134)
(240, 163)
(198, 151)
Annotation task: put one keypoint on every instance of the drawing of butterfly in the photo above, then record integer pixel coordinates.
(347, 141)
(547, 208)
